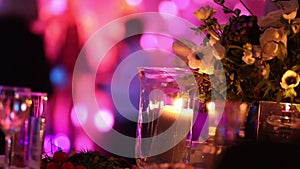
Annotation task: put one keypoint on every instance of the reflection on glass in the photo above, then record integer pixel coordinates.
(15, 104)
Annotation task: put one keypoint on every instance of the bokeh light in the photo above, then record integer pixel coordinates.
(58, 76)
(49, 146)
(56, 143)
(79, 114)
(182, 4)
(58, 6)
(148, 41)
(134, 2)
(104, 120)
(211, 106)
(62, 141)
(168, 7)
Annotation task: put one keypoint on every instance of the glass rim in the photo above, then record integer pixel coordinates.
(35, 93)
(165, 69)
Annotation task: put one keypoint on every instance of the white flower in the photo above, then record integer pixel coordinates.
(272, 19)
(290, 79)
(248, 57)
(269, 42)
(290, 14)
(203, 59)
(264, 72)
(296, 25)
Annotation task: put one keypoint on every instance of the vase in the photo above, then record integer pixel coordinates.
(168, 100)
(278, 122)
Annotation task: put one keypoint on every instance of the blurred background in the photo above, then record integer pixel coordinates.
(66, 25)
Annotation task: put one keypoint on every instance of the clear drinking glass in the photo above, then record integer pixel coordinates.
(168, 100)
(28, 141)
(15, 104)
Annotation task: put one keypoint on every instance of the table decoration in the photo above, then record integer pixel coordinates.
(87, 159)
(168, 100)
(260, 57)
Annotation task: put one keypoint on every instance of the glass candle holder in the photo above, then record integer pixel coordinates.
(168, 101)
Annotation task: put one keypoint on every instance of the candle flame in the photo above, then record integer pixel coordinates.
(211, 106)
(287, 106)
(178, 104)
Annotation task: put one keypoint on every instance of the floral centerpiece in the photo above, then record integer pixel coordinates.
(259, 57)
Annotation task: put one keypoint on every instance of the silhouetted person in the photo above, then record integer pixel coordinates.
(260, 155)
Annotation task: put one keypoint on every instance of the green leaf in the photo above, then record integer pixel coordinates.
(269, 87)
(296, 68)
(290, 93)
(259, 85)
(266, 76)
(298, 107)
(282, 51)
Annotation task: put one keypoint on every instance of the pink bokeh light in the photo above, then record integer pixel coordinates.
(134, 2)
(62, 141)
(148, 41)
(168, 7)
(79, 114)
(182, 4)
(104, 120)
(58, 6)
(55, 143)
(49, 147)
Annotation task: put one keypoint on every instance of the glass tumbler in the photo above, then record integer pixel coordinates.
(168, 100)
(15, 104)
(27, 143)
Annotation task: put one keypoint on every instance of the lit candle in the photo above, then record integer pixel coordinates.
(180, 120)
(286, 114)
(211, 107)
(170, 113)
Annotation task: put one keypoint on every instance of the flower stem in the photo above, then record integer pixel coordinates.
(246, 7)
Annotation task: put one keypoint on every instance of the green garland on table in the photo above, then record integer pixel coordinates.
(84, 160)
(95, 160)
